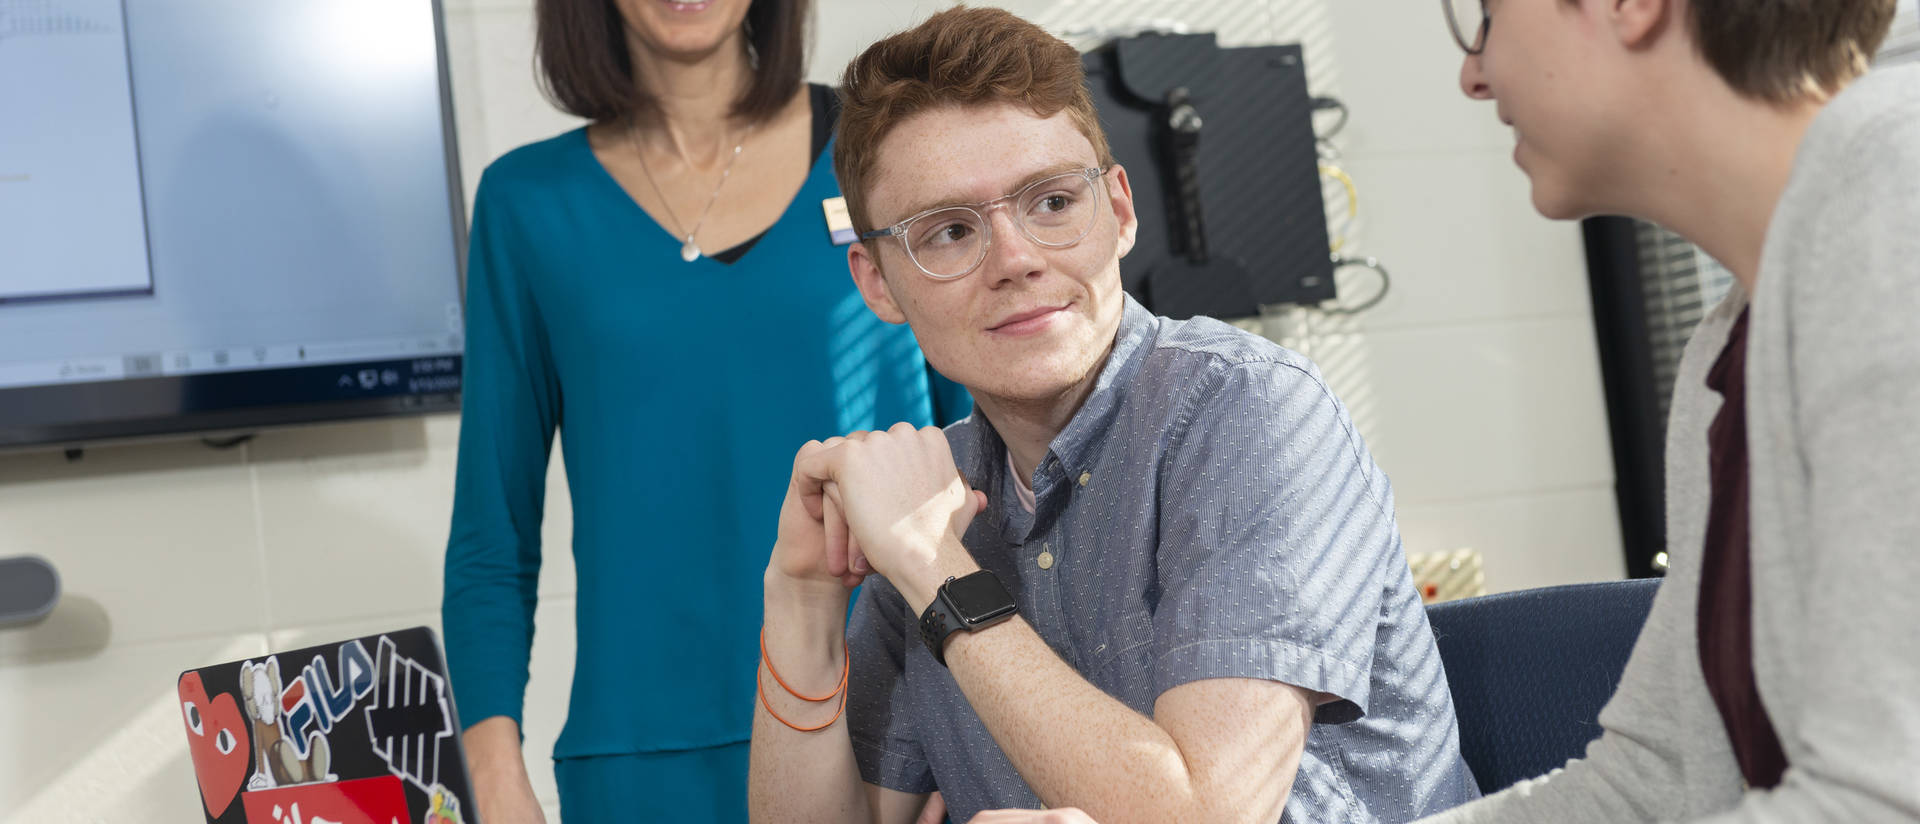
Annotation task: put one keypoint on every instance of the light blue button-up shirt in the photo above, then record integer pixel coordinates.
(1209, 512)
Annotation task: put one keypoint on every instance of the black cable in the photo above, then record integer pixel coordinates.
(226, 443)
(1386, 283)
(1321, 104)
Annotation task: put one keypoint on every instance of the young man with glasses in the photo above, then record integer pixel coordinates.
(1775, 678)
(1156, 577)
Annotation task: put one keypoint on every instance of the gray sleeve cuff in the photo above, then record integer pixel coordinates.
(1268, 660)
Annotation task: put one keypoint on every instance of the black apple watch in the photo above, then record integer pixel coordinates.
(969, 602)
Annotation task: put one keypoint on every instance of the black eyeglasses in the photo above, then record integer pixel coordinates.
(1468, 17)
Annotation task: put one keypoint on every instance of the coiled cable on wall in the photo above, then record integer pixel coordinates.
(1386, 283)
(1329, 154)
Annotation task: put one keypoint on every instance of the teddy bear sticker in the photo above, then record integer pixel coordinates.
(278, 764)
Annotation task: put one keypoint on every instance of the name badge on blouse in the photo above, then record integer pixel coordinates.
(839, 222)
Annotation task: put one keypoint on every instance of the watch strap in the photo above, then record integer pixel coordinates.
(938, 622)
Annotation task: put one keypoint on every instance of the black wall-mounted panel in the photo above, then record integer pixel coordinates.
(1258, 172)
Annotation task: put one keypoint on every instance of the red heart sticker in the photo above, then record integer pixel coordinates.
(217, 740)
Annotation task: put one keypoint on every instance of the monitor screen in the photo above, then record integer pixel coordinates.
(224, 214)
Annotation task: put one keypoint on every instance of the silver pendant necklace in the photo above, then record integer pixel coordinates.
(689, 250)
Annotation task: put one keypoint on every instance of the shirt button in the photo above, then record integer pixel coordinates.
(1045, 560)
(1085, 477)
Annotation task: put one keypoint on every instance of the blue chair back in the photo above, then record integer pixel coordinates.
(1530, 671)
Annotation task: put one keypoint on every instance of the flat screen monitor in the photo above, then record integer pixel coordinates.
(221, 215)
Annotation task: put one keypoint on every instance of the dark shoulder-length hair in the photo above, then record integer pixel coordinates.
(580, 47)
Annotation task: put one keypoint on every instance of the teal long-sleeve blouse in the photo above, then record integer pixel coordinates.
(683, 390)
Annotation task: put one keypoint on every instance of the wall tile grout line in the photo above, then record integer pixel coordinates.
(259, 535)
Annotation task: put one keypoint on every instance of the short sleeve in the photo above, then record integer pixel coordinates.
(878, 717)
(1276, 534)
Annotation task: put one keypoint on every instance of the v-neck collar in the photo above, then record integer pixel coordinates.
(671, 244)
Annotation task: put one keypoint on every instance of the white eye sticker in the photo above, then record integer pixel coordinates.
(224, 742)
(193, 717)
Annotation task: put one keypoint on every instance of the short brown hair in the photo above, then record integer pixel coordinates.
(959, 57)
(580, 48)
(1784, 51)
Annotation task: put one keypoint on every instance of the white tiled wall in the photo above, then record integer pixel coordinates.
(1476, 383)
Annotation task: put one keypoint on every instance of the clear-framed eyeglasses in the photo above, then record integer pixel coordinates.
(1470, 23)
(949, 242)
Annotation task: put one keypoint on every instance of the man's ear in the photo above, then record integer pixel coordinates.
(1120, 194)
(1637, 24)
(872, 285)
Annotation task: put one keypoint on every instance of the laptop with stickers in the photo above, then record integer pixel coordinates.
(362, 731)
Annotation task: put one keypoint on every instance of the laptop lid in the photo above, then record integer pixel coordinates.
(362, 731)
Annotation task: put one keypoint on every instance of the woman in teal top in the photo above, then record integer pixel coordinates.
(683, 388)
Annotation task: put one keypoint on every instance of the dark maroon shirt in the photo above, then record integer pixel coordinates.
(1726, 582)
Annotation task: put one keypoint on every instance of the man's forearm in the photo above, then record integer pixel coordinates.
(803, 776)
(1078, 746)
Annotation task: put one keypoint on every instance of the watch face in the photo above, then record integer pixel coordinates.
(979, 597)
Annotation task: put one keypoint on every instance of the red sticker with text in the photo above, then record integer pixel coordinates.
(380, 800)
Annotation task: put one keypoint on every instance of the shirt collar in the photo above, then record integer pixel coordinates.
(1077, 445)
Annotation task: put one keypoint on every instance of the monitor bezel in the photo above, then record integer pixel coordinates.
(250, 419)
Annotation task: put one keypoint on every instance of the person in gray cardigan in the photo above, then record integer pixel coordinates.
(1726, 121)
(1778, 676)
